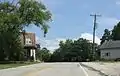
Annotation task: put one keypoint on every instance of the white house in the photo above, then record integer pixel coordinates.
(110, 50)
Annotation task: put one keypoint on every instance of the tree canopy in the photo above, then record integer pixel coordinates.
(14, 16)
(43, 54)
(33, 12)
(114, 34)
(25, 13)
(78, 50)
(106, 36)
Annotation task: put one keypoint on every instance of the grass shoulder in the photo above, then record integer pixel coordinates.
(13, 64)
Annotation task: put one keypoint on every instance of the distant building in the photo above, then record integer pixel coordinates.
(29, 43)
(110, 50)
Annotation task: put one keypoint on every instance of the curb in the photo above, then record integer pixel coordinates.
(99, 71)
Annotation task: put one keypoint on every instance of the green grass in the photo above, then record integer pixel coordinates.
(13, 65)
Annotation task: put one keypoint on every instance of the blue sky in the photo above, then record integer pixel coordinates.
(71, 19)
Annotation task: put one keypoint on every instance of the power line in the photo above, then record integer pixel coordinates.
(94, 29)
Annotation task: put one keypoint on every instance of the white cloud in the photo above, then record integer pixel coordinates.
(37, 40)
(53, 44)
(89, 36)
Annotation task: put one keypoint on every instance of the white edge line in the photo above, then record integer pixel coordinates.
(84, 70)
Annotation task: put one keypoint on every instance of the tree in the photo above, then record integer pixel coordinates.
(55, 57)
(13, 18)
(43, 54)
(78, 50)
(114, 35)
(33, 12)
(84, 49)
(116, 32)
(9, 33)
(106, 36)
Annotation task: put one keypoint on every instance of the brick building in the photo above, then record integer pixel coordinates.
(28, 41)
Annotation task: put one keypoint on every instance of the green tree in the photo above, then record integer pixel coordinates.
(116, 32)
(9, 40)
(9, 33)
(78, 50)
(15, 17)
(106, 36)
(44, 54)
(83, 49)
(56, 56)
(33, 12)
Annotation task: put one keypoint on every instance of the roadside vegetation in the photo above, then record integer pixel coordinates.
(14, 17)
(14, 64)
(79, 50)
(69, 51)
(113, 34)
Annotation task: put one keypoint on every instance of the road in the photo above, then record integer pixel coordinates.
(50, 69)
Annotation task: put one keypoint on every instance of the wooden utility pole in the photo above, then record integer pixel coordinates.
(94, 29)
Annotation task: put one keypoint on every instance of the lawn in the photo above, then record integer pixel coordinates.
(13, 65)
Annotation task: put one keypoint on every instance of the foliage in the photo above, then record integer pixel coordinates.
(43, 54)
(116, 32)
(78, 50)
(9, 33)
(106, 36)
(111, 35)
(33, 12)
(10, 45)
(13, 18)
(27, 12)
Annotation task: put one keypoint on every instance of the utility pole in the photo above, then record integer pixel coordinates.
(94, 29)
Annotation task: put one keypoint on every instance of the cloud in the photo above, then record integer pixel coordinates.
(89, 36)
(37, 40)
(53, 44)
(50, 44)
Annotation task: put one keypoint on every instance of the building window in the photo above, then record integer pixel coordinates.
(28, 41)
(107, 54)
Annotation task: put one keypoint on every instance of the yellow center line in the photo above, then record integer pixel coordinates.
(35, 72)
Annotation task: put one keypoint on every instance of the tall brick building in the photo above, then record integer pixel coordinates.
(28, 41)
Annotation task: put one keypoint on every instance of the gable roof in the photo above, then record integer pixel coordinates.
(110, 44)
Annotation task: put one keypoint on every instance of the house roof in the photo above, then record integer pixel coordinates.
(110, 44)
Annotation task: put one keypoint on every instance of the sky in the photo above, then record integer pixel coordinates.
(72, 20)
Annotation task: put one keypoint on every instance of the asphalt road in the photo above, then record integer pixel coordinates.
(50, 69)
